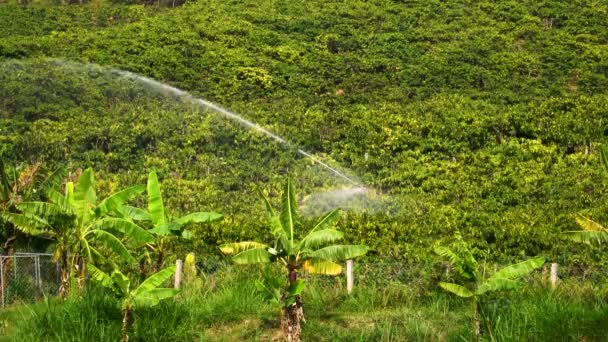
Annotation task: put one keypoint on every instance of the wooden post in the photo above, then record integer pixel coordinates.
(2, 277)
(178, 273)
(349, 276)
(37, 275)
(554, 278)
(37, 271)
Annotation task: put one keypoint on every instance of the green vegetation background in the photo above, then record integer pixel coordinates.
(478, 115)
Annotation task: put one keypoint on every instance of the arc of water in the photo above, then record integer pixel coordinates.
(184, 95)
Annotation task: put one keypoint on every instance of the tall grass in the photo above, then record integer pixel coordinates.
(96, 317)
(227, 307)
(572, 312)
(227, 297)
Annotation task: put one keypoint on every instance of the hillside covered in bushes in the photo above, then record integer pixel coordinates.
(481, 116)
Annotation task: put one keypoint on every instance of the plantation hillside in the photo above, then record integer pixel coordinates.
(481, 116)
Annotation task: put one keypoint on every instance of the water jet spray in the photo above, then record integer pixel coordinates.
(186, 96)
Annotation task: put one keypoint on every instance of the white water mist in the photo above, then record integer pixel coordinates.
(185, 96)
(355, 196)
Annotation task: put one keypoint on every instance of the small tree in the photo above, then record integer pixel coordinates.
(19, 184)
(78, 224)
(477, 284)
(592, 232)
(312, 253)
(162, 226)
(147, 294)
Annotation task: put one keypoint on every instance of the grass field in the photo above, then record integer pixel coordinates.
(227, 307)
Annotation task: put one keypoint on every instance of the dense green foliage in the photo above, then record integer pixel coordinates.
(478, 284)
(75, 222)
(480, 115)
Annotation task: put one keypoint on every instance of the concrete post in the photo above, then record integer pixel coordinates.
(179, 264)
(349, 276)
(554, 278)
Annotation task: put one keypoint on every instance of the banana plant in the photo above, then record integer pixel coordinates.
(162, 227)
(19, 184)
(477, 284)
(147, 294)
(592, 232)
(313, 253)
(80, 226)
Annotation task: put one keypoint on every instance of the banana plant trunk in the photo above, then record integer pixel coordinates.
(127, 321)
(6, 262)
(64, 287)
(159, 262)
(79, 262)
(476, 322)
(82, 274)
(143, 269)
(292, 316)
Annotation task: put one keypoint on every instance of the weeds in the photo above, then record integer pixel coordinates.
(228, 308)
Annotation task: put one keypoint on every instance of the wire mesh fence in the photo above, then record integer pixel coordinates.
(415, 275)
(26, 277)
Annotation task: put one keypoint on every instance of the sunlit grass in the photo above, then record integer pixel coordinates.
(227, 307)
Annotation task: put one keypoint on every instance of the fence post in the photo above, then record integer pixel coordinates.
(349, 276)
(2, 277)
(38, 282)
(178, 273)
(57, 275)
(554, 278)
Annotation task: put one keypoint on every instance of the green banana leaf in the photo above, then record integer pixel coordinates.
(456, 289)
